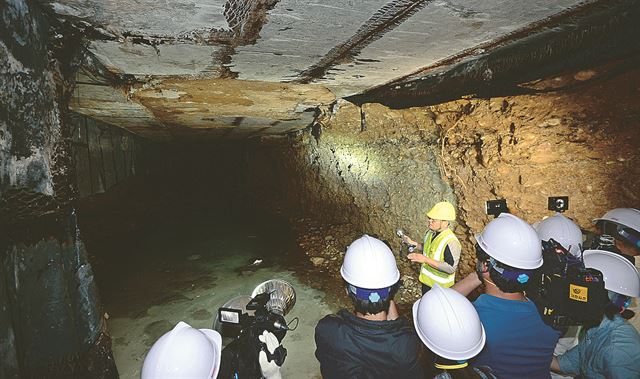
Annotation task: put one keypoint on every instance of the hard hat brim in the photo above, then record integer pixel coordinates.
(216, 340)
(437, 350)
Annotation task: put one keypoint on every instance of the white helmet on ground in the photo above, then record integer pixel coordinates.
(184, 352)
(628, 217)
(448, 324)
(563, 231)
(620, 275)
(511, 241)
(369, 263)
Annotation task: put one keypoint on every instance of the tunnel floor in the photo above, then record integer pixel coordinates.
(184, 268)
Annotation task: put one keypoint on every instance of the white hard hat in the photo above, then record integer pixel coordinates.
(511, 241)
(185, 353)
(620, 275)
(563, 230)
(448, 324)
(369, 263)
(628, 217)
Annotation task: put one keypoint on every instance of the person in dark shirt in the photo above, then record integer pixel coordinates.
(448, 324)
(371, 341)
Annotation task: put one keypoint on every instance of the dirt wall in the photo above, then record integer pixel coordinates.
(576, 135)
(378, 177)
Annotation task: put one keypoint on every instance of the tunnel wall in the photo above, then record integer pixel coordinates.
(378, 177)
(50, 317)
(103, 155)
(578, 135)
(575, 135)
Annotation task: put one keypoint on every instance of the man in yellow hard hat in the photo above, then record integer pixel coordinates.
(440, 249)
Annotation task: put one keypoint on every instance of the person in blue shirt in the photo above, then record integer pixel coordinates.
(519, 344)
(610, 348)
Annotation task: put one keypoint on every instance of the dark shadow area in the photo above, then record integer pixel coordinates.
(189, 205)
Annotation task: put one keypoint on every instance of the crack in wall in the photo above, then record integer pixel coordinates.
(246, 19)
(384, 20)
(591, 32)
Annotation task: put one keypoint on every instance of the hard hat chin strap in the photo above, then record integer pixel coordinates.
(452, 367)
(449, 364)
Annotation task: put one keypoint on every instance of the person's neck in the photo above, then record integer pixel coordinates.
(626, 249)
(490, 288)
(382, 316)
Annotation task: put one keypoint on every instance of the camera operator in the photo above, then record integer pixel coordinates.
(519, 344)
(610, 348)
(186, 352)
(448, 324)
(563, 230)
(238, 360)
(618, 231)
(371, 341)
(568, 234)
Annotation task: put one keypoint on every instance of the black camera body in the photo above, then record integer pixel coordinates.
(262, 319)
(567, 293)
(241, 355)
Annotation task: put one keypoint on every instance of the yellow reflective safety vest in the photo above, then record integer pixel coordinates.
(434, 248)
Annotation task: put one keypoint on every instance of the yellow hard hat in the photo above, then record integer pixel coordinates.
(442, 211)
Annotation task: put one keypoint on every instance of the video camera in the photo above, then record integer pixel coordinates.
(262, 319)
(265, 310)
(566, 293)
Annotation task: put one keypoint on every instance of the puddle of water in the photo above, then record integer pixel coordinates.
(184, 273)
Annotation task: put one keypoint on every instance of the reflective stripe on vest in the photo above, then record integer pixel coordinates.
(434, 248)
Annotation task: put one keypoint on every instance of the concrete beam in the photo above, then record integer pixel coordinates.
(584, 36)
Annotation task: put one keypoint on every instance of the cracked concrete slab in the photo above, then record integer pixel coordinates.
(147, 17)
(163, 60)
(438, 31)
(102, 102)
(354, 45)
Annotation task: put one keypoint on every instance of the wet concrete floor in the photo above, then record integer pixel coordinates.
(184, 268)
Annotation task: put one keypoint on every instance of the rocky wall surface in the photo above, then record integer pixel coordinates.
(347, 177)
(578, 136)
(378, 176)
(50, 317)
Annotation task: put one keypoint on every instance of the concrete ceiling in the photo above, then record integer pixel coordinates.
(264, 65)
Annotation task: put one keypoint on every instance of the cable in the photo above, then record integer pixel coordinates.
(291, 322)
